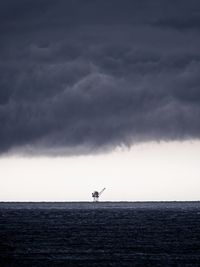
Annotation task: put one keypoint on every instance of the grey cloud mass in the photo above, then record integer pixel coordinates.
(81, 76)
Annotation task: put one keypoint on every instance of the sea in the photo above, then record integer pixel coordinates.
(100, 234)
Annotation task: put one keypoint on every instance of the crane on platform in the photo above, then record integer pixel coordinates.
(97, 194)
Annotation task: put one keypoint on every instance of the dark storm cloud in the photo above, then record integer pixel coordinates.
(82, 75)
(180, 24)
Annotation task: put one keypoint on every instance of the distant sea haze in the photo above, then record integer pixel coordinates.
(100, 234)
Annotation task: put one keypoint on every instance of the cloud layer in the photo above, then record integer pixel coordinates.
(80, 76)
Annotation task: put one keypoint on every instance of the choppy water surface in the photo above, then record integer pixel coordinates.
(100, 234)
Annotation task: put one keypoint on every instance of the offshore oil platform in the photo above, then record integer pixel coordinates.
(97, 194)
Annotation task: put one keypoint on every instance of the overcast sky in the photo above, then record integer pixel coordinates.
(85, 79)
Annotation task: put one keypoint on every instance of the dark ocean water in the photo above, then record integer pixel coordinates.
(100, 234)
